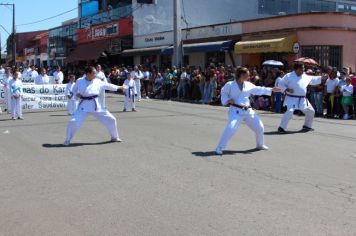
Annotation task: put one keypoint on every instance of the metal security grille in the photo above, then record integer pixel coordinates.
(325, 55)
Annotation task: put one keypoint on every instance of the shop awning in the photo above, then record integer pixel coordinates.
(145, 51)
(278, 44)
(218, 46)
(87, 52)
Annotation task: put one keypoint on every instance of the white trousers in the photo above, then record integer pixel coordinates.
(236, 116)
(16, 107)
(71, 106)
(138, 88)
(130, 102)
(106, 118)
(309, 116)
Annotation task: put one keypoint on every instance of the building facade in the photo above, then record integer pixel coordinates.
(62, 41)
(105, 29)
(153, 34)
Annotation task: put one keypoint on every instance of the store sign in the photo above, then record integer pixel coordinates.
(166, 38)
(213, 31)
(29, 51)
(110, 30)
(153, 40)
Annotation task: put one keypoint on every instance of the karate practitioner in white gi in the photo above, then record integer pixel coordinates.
(16, 91)
(130, 93)
(58, 76)
(294, 85)
(72, 99)
(33, 74)
(42, 78)
(5, 82)
(236, 94)
(88, 90)
(138, 76)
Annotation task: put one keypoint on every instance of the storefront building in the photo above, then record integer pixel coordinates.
(201, 46)
(62, 41)
(283, 38)
(327, 37)
(37, 53)
(102, 43)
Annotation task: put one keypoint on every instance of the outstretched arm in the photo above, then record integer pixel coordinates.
(258, 91)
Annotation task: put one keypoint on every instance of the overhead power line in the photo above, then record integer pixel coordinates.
(49, 18)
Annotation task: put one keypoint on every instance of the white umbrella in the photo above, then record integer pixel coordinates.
(272, 63)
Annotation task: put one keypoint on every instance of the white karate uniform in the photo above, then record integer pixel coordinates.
(16, 100)
(94, 106)
(42, 79)
(58, 77)
(236, 115)
(137, 76)
(7, 95)
(297, 100)
(33, 75)
(130, 94)
(72, 102)
(101, 75)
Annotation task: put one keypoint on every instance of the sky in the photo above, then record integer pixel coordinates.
(28, 11)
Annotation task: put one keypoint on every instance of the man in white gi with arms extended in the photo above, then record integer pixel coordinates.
(236, 94)
(88, 90)
(294, 85)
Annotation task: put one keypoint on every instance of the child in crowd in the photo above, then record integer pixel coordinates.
(72, 101)
(347, 100)
(130, 91)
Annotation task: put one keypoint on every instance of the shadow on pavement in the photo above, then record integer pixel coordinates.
(47, 145)
(60, 115)
(287, 132)
(212, 153)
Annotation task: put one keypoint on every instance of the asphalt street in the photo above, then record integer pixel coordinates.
(164, 179)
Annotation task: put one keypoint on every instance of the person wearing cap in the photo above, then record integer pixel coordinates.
(236, 94)
(88, 90)
(294, 85)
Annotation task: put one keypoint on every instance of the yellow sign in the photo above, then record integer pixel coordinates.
(281, 44)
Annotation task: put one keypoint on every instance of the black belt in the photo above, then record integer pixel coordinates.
(300, 98)
(295, 96)
(243, 107)
(88, 99)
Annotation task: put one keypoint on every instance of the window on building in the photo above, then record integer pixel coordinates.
(318, 5)
(277, 7)
(325, 55)
(347, 8)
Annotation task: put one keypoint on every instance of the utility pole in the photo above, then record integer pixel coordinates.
(13, 34)
(178, 46)
(13, 30)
